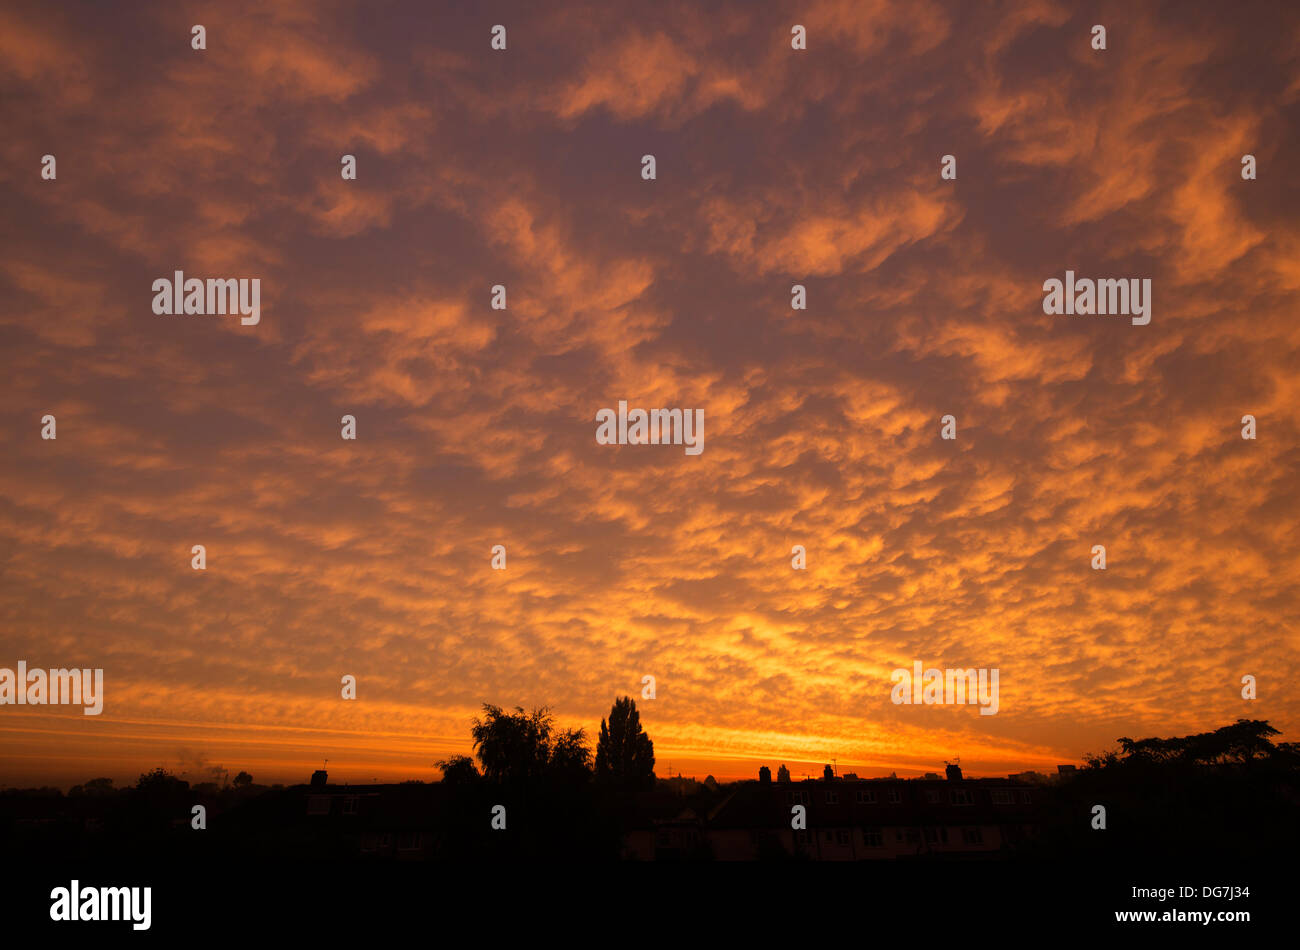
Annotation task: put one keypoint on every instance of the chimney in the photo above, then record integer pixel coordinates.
(319, 778)
(954, 771)
(765, 776)
(828, 773)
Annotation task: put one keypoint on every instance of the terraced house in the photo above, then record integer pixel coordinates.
(851, 819)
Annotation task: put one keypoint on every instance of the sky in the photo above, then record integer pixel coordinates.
(476, 426)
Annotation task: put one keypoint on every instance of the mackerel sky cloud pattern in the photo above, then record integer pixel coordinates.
(476, 426)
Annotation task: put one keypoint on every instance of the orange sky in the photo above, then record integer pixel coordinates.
(477, 426)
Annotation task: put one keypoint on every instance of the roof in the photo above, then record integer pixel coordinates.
(767, 805)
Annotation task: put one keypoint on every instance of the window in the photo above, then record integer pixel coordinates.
(866, 796)
(842, 837)
(913, 836)
(961, 796)
(894, 796)
(932, 796)
(829, 836)
(796, 798)
(872, 838)
(409, 841)
(318, 805)
(832, 798)
(385, 841)
(931, 836)
(350, 805)
(803, 837)
(972, 835)
(1024, 797)
(1003, 796)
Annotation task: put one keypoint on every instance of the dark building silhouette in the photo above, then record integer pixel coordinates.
(874, 819)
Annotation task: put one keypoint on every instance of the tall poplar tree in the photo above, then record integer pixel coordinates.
(625, 756)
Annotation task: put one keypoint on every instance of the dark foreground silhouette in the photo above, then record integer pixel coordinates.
(535, 793)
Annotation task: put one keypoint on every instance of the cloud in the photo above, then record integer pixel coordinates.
(476, 426)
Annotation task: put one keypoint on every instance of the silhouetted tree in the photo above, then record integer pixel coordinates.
(1233, 785)
(96, 786)
(160, 780)
(157, 799)
(570, 757)
(1246, 740)
(540, 774)
(625, 756)
(524, 747)
(243, 779)
(459, 770)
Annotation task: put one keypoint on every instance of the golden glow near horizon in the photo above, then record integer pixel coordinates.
(477, 426)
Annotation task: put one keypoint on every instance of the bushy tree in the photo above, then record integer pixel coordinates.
(459, 770)
(524, 748)
(1245, 741)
